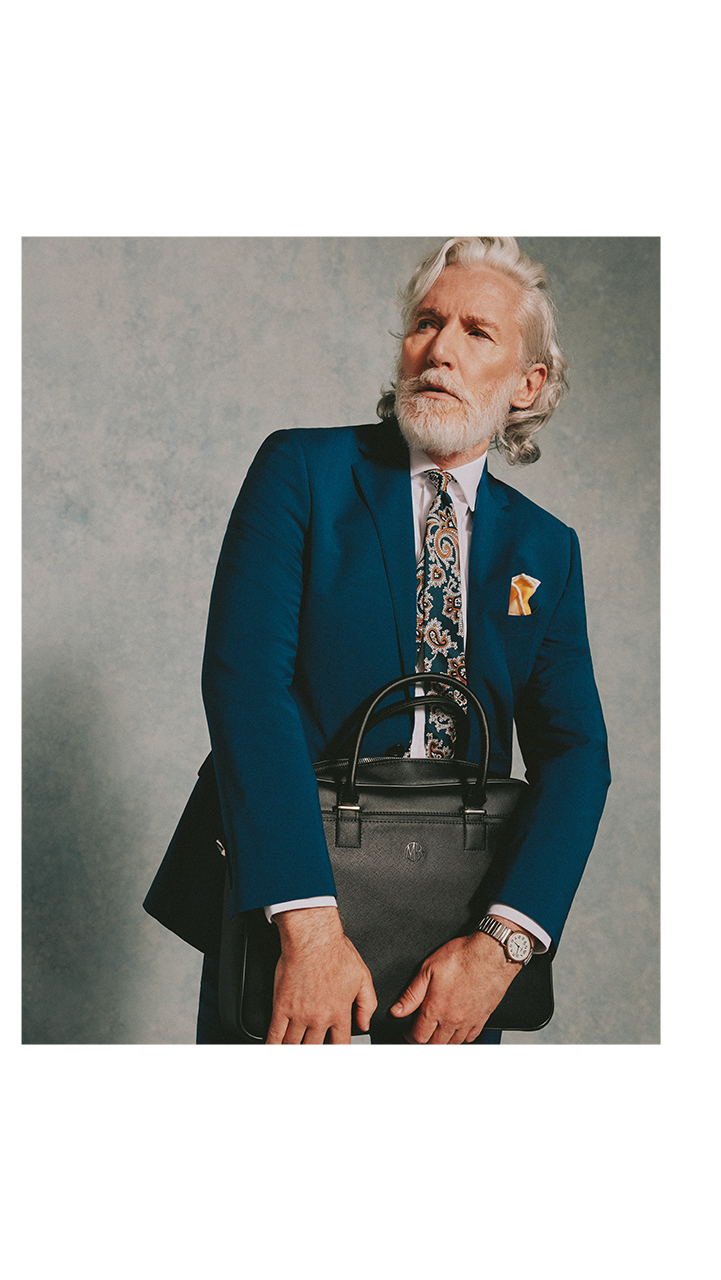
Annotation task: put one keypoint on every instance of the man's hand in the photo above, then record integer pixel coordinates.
(318, 979)
(457, 989)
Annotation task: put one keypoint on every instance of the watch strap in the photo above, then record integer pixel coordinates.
(501, 932)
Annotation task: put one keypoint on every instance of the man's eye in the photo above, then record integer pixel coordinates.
(423, 324)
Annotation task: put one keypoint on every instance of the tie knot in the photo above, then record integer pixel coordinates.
(441, 480)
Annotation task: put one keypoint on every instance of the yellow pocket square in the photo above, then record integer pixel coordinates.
(522, 588)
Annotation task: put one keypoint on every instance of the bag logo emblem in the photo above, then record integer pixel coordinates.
(414, 851)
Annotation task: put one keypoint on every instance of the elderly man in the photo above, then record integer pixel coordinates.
(316, 603)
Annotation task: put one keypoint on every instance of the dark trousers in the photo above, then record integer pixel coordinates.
(211, 1030)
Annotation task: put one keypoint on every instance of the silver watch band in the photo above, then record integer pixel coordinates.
(501, 933)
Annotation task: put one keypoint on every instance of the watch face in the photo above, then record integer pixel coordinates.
(518, 947)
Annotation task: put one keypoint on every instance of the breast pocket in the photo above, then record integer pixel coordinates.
(521, 634)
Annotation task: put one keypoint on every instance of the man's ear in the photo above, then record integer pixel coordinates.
(529, 386)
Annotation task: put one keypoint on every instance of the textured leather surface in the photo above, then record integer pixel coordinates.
(410, 886)
(410, 882)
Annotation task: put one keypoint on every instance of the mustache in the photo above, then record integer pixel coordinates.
(432, 378)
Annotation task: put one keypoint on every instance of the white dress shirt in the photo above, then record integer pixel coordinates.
(463, 489)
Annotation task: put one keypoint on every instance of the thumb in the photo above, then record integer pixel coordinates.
(365, 1003)
(412, 996)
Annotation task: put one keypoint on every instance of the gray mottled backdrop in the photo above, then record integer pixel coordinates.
(153, 370)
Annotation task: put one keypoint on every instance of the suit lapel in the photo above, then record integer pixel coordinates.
(382, 478)
(496, 532)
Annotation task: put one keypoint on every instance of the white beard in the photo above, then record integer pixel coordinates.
(446, 427)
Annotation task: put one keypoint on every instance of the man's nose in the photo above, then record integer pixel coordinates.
(443, 350)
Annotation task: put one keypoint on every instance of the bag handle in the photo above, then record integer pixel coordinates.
(477, 798)
(409, 707)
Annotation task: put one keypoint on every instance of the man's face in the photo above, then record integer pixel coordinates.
(460, 363)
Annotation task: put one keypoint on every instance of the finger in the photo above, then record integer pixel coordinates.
(315, 1035)
(366, 1004)
(458, 1037)
(294, 1033)
(443, 1034)
(473, 1034)
(412, 996)
(341, 1034)
(422, 1030)
(277, 1029)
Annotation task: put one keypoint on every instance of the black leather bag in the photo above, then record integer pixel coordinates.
(412, 843)
(186, 895)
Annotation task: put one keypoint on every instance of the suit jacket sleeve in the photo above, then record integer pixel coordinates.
(562, 736)
(268, 790)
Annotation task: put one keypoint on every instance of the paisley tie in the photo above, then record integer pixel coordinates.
(439, 628)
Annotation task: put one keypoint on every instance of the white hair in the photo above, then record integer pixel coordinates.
(536, 317)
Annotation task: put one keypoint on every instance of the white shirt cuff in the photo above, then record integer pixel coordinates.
(297, 905)
(543, 939)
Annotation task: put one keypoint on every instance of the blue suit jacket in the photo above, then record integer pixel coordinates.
(313, 609)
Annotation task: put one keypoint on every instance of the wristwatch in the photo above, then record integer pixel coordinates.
(516, 944)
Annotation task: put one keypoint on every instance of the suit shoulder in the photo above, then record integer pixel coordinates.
(530, 511)
(327, 445)
(325, 439)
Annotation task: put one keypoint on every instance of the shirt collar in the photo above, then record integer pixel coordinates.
(468, 476)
